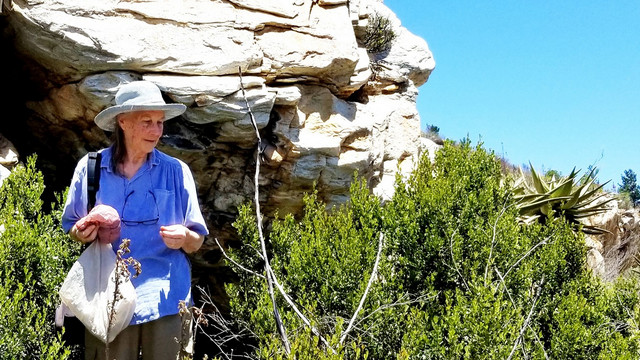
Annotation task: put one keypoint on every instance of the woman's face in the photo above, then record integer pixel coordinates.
(142, 130)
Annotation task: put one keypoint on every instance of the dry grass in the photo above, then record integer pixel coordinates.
(620, 248)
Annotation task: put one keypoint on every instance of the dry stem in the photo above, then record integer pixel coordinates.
(526, 322)
(236, 263)
(269, 273)
(122, 274)
(366, 291)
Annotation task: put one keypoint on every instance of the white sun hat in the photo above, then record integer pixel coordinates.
(137, 96)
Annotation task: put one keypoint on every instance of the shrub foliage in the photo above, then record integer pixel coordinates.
(35, 255)
(459, 277)
(379, 34)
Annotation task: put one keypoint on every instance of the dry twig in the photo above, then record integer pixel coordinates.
(493, 242)
(122, 274)
(526, 321)
(236, 263)
(543, 242)
(366, 291)
(515, 307)
(399, 302)
(269, 273)
(455, 264)
(223, 331)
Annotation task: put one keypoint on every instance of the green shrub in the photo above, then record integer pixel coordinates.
(379, 34)
(35, 256)
(591, 321)
(323, 260)
(459, 277)
(476, 324)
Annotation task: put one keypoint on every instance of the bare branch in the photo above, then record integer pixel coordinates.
(454, 260)
(505, 287)
(304, 319)
(515, 307)
(539, 342)
(122, 274)
(543, 242)
(526, 321)
(398, 302)
(493, 242)
(270, 277)
(366, 291)
(223, 332)
(235, 263)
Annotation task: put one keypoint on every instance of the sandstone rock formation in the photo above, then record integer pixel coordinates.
(307, 77)
(613, 253)
(8, 157)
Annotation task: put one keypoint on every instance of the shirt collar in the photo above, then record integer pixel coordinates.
(105, 161)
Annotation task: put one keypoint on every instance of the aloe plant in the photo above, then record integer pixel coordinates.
(568, 197)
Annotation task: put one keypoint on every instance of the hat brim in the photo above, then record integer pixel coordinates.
(106, 119)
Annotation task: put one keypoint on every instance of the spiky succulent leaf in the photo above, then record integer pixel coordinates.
(562, 189)
(591, 193)
(594, 230)
(565, 197)
(538, 182)
(575, 198)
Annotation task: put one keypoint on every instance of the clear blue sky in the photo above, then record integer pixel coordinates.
(554, 83)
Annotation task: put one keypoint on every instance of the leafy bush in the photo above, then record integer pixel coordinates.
(459, 276)
(325, 258)
(379, 34)
(34, 258)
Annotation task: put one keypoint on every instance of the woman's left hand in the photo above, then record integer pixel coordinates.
(180, 237)
(174, 236)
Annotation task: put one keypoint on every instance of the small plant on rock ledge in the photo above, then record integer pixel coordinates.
(433, 133)
(379, 34)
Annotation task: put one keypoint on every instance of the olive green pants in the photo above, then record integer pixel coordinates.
(165, 338)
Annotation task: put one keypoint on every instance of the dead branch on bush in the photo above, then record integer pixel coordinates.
(374, 273)
(493, 242)
(270, 275)
(543, 242)
(236, 263)
(455, 264)
(122, 274)
(304, 319)
(515, 307)
(267, 266)
(526, 321)
(223, 331)
(399, 302)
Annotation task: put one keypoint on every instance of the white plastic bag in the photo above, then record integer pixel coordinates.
(89, 288)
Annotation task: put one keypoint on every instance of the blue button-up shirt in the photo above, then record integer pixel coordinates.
(161, 193)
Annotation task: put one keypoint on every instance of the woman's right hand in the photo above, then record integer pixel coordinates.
(84, 233)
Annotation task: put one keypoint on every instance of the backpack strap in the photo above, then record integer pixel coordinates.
(93, 177)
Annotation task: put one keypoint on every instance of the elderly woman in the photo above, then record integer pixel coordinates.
(155, 197)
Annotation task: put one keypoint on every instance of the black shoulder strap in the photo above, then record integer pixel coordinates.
(93, 177)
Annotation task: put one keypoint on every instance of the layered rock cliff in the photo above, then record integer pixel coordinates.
(326, 106)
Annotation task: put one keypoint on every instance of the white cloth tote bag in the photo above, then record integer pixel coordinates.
(89, 288)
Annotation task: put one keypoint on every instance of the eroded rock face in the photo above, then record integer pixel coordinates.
(8, 158)
(321, 110)
(613, 252)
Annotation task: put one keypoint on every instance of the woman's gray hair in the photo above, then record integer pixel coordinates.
(119, 149)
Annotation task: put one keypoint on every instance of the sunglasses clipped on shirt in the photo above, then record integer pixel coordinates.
(140, 208)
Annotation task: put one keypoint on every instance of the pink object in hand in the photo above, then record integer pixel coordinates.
(108, 220)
